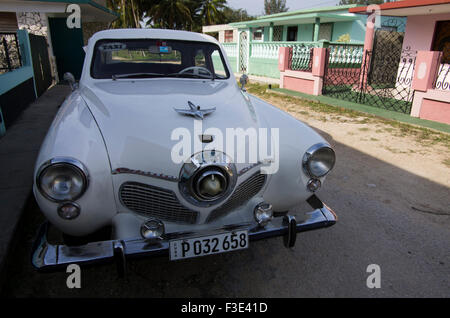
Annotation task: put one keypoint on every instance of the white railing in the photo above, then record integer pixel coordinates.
(231, 49)
(346, 53)
(443, 77)
(269, 50)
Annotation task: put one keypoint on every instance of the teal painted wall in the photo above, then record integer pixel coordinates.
(305, 32)
(2, 124)
(11, 79)
(266, 34)
(264, 67)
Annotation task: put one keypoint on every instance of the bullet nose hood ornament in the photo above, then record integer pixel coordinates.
(195, 111)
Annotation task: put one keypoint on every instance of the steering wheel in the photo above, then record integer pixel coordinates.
(196, 70)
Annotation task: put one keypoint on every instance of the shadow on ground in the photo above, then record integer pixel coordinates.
(387, 216)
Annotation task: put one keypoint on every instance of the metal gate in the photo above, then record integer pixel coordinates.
(243, 51)
(381, 77)
(41, 63)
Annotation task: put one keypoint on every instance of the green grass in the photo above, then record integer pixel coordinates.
(346, 107)
(402, 124)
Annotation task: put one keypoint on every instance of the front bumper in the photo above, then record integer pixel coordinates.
(46, 256)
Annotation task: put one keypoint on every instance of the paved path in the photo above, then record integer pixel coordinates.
(377, 225)
(18, 152)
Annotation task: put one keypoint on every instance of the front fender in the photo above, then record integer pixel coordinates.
(75, 134)
(287, 187)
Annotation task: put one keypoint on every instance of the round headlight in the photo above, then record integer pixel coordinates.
(319, 160)
(207, 178)
(62, 179)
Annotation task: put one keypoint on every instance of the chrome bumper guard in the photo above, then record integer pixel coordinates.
(46, 256)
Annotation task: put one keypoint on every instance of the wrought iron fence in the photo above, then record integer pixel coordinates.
(361, 84)
(300, 59)
(10, 57)
(442, 80)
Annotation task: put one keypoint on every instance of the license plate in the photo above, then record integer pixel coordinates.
(207, 245)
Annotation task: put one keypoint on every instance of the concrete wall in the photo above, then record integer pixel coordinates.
(11, 79)
(420, 31)
(37, 23)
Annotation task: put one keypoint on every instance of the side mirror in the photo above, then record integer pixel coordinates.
(243, 80)
(70, 79)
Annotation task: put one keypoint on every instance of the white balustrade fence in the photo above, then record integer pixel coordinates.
(269, 50)
(231, 49)
(346, 54)
(443, 77)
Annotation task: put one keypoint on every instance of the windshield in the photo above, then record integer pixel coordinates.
(141, 58)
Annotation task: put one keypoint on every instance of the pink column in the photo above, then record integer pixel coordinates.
(427, 63)
(283, 58)
(319, 59)
(368, 45)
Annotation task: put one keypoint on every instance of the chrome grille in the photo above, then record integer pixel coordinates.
(244, 192)
(155, 202)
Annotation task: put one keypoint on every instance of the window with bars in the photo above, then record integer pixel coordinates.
(257, 34)
(278, 33)
(228, 36)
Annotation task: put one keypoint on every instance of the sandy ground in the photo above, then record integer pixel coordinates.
(419, 155)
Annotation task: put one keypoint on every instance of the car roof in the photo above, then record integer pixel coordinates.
(151, 33)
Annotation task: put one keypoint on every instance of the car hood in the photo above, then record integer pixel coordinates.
(137, 118)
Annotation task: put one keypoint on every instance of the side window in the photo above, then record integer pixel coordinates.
(219, 68)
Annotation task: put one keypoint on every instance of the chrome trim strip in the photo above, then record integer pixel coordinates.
(145, 174)
(162, 176)
(51, 257)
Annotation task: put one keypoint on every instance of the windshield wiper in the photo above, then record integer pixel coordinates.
(191, 75)
(114, 77)
(131, 75)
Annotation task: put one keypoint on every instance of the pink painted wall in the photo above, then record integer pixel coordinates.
(420, 31)
(435, 110)
(299, 85)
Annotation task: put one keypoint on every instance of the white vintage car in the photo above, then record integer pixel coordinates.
(158, 151)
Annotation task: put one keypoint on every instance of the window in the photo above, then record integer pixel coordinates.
(325, 31)
(258, 34)
(141, 58)
(441, 40)
(228, 36)
(292, 33)
(278, 33)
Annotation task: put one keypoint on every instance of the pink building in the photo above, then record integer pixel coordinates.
(427, 39)
(404, 65)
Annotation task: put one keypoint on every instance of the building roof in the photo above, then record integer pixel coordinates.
(408, 7)
(91, 11)
(327, 14)
(314, 10)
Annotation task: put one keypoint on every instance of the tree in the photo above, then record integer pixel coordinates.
(211, 11)
(130, 13)
(235, 15)
(274, 6)
(169, 14)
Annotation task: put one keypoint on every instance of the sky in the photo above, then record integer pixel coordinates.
(256, 7)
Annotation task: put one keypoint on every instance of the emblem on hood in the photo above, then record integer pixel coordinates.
(195, 111)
